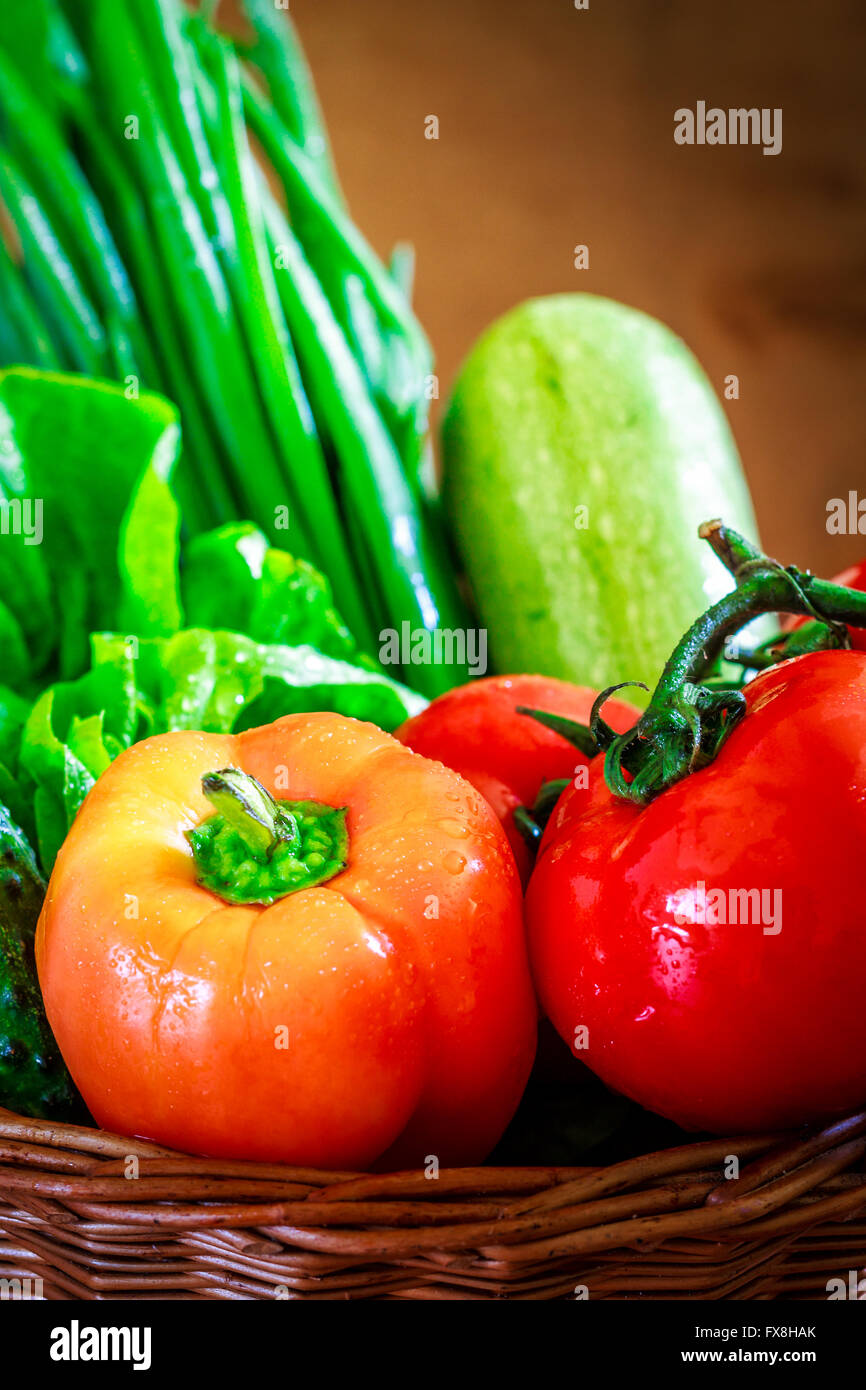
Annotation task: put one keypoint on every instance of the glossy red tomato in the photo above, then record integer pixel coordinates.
(713, 943)
(476, 731)
(853, 578)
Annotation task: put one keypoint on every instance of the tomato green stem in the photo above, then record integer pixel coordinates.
(589, 739)
(578, 735)
(686, 722)
(531, 823)
(257, 849)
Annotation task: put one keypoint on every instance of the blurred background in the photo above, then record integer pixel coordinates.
(556, 128)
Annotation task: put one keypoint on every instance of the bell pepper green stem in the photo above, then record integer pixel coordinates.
(687, 722)
(257, 849)
(249, 809)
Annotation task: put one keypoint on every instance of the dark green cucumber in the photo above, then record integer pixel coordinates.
(33, 1077)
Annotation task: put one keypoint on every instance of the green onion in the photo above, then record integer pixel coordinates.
(155, 251)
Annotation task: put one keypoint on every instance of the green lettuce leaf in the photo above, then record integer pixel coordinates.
(226, 635)
(16, 658)
(60, 780)
(224, 681)
(72, 734)
(17, 798)
(13, 716)
(74, 452)
(233, 579)
(219, 682)
(25, 582)
(149, 550)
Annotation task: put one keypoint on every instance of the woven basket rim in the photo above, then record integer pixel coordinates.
(669, 1220)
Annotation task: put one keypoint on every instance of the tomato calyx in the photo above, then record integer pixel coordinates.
(813, 636)
(256, 849)
(690, 715)
(580, 736)
(532, 822)
(589, 739)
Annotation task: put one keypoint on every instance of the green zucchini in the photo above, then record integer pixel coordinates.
(33, 1077)
(583, 446)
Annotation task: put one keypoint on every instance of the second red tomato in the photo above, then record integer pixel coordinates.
(476, 731)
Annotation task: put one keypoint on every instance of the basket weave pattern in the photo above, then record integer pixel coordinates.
(665, 1225)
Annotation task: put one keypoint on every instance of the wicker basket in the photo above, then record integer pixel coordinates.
(666, 1225)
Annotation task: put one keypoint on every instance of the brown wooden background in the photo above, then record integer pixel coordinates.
(556, 127)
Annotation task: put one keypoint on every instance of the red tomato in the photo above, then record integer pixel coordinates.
(476, 731)
(853, 578)
(720, 1024)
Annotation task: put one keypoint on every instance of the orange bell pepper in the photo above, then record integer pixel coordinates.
(366, 995)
